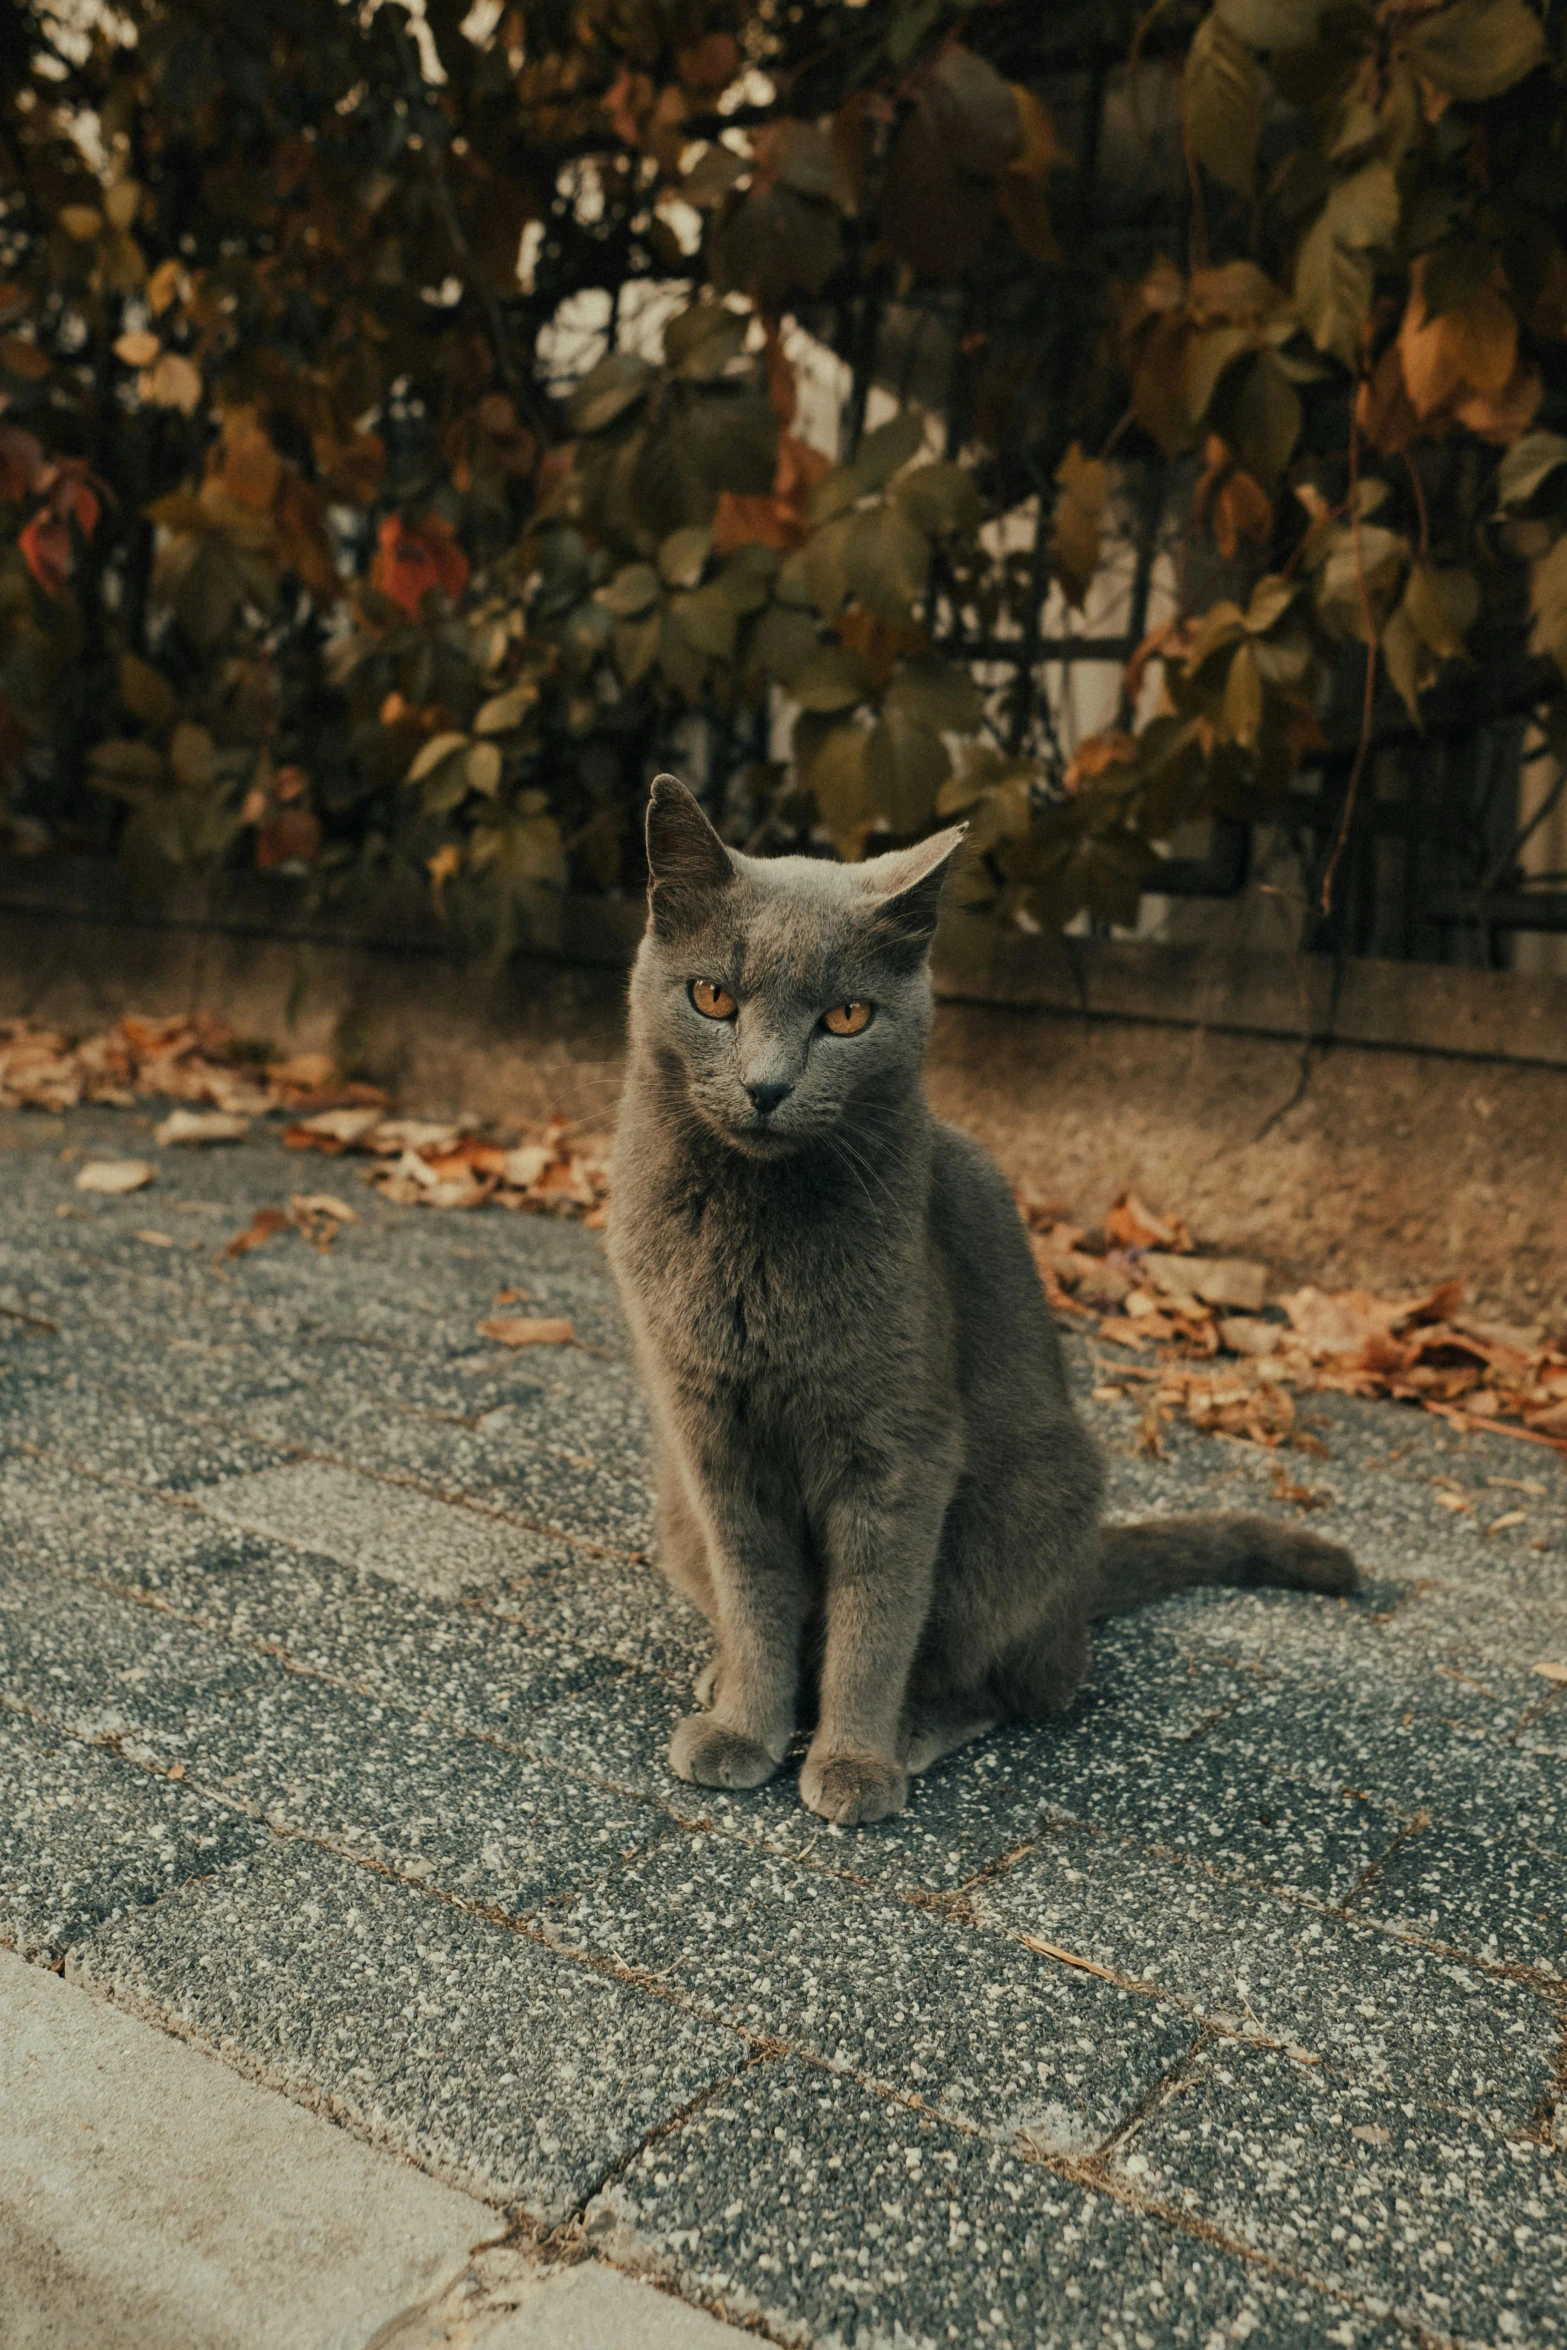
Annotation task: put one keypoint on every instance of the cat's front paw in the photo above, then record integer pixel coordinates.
(707, 1754)
(707, 1684)
(853, 1788)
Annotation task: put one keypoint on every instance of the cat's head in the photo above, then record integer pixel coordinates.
(787, 995)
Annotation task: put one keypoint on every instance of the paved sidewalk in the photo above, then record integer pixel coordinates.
(333, 1699)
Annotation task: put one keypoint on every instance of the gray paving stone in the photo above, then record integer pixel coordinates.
(1456, 2227)
(470, 1668)
(463, 1815)
(364, 1522)
(84, 1837)
(614, 1607)
(1354, 1998)
(499, 2064)
(794, 2196)
(976, 2026)
(1415, 1762)
(1465, 1889)
(75, 1657)
(464, 1812)
(82, 1422)
(1103, 1764)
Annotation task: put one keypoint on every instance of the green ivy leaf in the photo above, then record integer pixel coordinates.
(887, 562)
(636, 646)
(608, 391)
(146, 692)
(938, 694)
(887, 450)
(905, 766)
(833, 677)
(1334, 271)
(1443, 605)
(1527, 464)
(784, 640)
(701, 342)
(1243, 697)
(1221, 104)
(706, 618)
(939, 499)
(1548, 603)
(682, 558)
(633, 591)
(1479, 48)
(830, 761)
(438, 749)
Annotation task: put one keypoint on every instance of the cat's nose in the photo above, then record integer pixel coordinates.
(766, 1098)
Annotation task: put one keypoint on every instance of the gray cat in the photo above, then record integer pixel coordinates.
(871, 1479)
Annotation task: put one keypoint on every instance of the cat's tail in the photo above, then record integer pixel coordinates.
(1159, 1556)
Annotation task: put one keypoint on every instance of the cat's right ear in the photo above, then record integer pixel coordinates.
(687, 863)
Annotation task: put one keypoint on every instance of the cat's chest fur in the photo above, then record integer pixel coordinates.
(763, 1278)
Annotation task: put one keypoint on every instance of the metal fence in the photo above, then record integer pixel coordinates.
(1445, 823)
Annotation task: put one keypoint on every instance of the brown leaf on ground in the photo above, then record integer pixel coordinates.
(331, 1130)
(1552, 1672)
(324, 1203)
(1304, 1497)
(527, 1330)
(264, 1225)
(194, 1126)
(303, 1072)
(1131, 1224)
(114, 1177)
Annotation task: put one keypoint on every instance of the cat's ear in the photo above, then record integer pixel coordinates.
(906, 889)
(687, 863)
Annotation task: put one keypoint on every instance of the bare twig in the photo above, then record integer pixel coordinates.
(1418, 486)
(1373, 647)
(521, 389)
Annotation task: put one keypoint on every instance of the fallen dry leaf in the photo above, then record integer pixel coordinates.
(308, 1072)
(1552, 1672)
(391, 1135)
(323, 1203)
(1245, 1336)
(1507, 1518)
(522, 1330)
(331, 1130)
(264, 1225)
(1454, 1502)
(1304, 1497)
(1370, 2133)
(192, 1126)
(114, 1176)
(156, 1239)
(1131, 1224)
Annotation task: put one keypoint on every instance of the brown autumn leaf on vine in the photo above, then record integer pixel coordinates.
(412, 558)
(1096, 754)
(1231, 503)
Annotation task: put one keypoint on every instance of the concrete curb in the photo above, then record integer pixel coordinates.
(150, 2199)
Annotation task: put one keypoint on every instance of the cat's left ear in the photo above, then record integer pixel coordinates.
(907, 892)
(687, 863)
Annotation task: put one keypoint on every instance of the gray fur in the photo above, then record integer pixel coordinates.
(871, 1478)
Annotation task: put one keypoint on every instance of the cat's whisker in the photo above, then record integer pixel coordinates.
(863, 1168)
(835, 1145)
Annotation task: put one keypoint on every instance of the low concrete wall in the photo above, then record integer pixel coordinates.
(246, 942)
(1420, 1007)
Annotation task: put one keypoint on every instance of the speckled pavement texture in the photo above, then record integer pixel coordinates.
(334, 1687)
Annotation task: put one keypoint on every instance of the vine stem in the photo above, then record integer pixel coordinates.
(1373, 647)
(1418, 486)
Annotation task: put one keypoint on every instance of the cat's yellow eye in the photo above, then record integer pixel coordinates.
(712, 1001)
(847, 1019)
